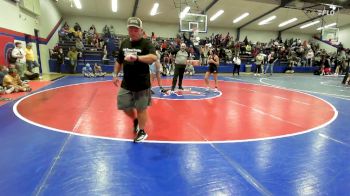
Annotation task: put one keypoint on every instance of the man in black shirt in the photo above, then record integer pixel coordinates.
(135, 55)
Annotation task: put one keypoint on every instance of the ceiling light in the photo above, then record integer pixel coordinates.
(216, 15)
(185, 11)
(114, 5)
(310, 24)
(154, 9)
(239, 18)
(77, 4)
(287, 22)
(330, 25)
(327, 26)
(266, 21)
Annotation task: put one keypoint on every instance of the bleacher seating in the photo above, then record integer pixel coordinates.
(93, 55)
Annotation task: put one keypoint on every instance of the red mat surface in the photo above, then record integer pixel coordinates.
(35, 85)
(243, 112)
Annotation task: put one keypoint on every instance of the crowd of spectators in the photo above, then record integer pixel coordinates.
(22, 68)
(290, 52)
(84, 41)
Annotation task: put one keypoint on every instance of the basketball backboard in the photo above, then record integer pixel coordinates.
(193, 21)
(330, 34)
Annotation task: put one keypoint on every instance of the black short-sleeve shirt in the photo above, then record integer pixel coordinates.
(136, 74)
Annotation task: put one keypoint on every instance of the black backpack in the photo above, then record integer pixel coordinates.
(11, 59)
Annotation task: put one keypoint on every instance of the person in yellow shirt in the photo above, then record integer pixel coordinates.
(30, 58)
(73, 58)
(12, 80)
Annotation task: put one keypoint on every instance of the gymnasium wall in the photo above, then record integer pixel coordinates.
(258, 36)
(17, 24)
(290, 35)
(17, 19)
(49, 21)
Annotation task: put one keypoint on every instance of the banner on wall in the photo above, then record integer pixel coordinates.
(6, 44)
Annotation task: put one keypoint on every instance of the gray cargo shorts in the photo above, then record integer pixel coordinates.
(133, 99)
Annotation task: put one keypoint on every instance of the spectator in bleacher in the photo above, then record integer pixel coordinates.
(64, 33)
(204, 54)
(60, 59)
(248, 49)
(300, 53)
(259, 61)
(3, 71)
(168, 63)
(309, 57)
(227, 39)
(164, 45)
(255, 50)
(79, 46)
(13, 80)
(30, 58)
(20, 56)
(189, 70)
(98, 70)
(78, 34)
(325, 66)
(292, 59)
(236, 65)
(153, 37)
(87, 71)
(237, 47)
(271, 60)
(112, 30)
(228, 56)
(90, 35)
(105, 53)
(92, 29)
(106, 32)
(84, 35)
(144, 34)
(73, 59)
(3, 90)
(317, 59)
(95, 41)
(30, 75)
(77, 27)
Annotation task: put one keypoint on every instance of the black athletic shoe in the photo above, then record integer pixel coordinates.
(180, 88)
(141, 135)
(136, 125)
(162, 90)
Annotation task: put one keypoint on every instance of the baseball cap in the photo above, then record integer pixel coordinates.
(134, 22)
